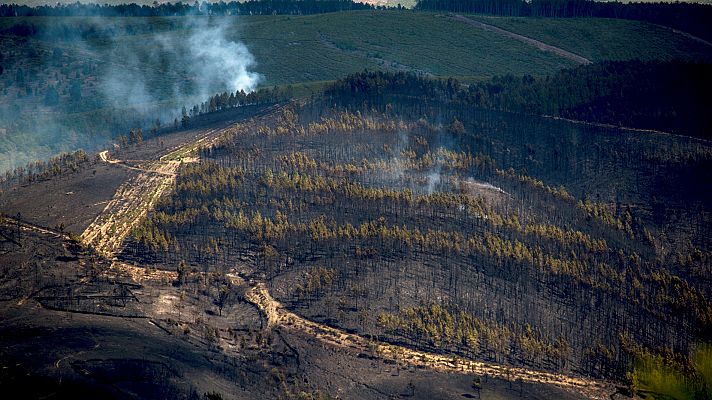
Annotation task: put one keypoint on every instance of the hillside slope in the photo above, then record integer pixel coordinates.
(607, 39)
(137, 331)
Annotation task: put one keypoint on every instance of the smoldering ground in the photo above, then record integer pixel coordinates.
(431, 174)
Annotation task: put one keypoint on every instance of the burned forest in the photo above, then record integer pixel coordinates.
(328, 199)
(425, 226)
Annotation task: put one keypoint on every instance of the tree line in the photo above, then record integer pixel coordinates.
(636, 94)
(251, 7)
(42, 170)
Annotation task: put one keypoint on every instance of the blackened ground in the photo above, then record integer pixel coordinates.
(85, 346)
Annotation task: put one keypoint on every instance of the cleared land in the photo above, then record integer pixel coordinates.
(136, 197)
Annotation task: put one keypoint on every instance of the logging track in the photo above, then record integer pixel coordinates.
(524, 39)
(138, 195)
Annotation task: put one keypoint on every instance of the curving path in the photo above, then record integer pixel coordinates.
(524, 39)
(278, 316)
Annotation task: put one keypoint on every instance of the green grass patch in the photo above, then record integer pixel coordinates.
(606, 39)
(329, 46)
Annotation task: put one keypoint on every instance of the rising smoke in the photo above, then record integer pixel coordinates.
(134, 71)
(181, 67)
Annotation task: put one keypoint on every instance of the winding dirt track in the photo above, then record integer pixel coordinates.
(136, 197)
(524, 39)
(277, 315)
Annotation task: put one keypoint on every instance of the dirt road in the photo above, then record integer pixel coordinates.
(277, 315)
(524, 39)
(137, 196)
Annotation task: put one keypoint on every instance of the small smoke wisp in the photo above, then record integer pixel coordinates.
(476, 187)
(433, 179)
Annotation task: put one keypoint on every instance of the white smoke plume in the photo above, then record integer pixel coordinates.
(221, 60)
(132, 72)
(184, 66)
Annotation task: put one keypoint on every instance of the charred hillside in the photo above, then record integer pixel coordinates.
(124, 328)
(325, 199)
(487, 235)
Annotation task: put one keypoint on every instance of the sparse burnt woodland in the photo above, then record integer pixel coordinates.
(489, 235)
